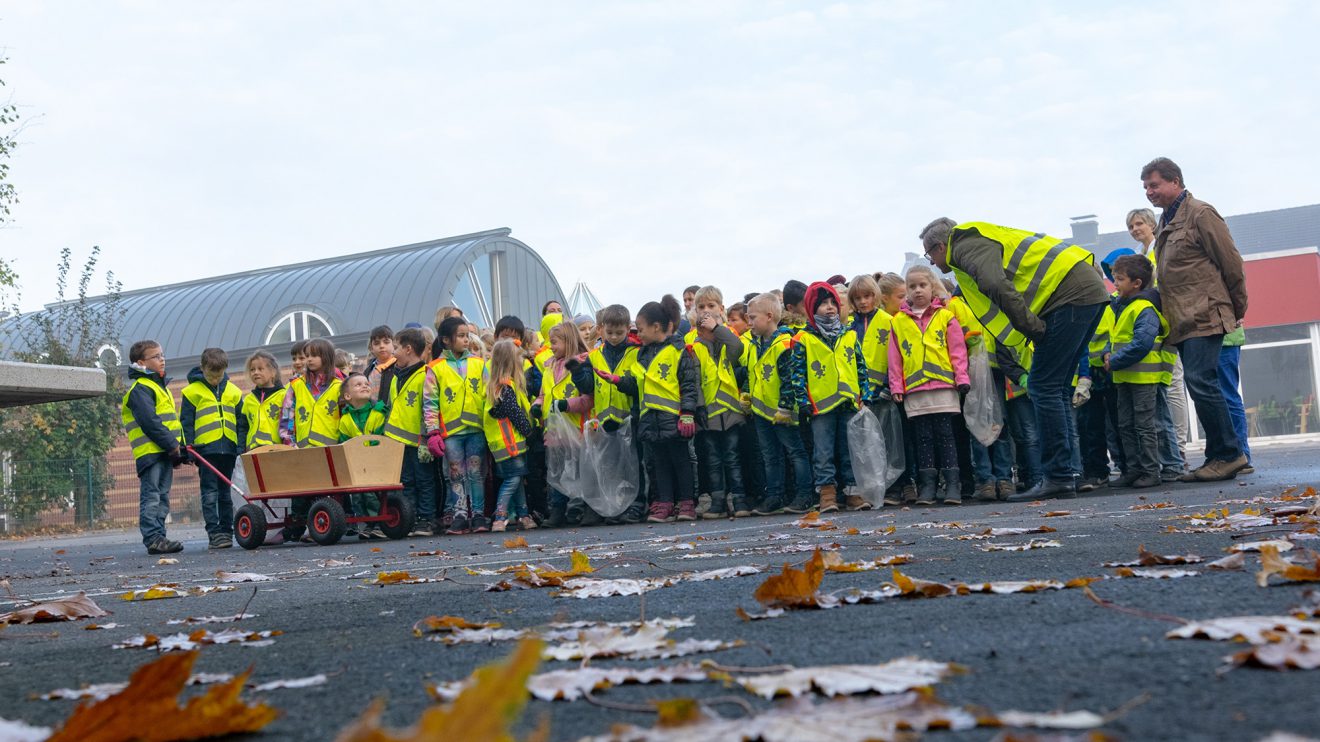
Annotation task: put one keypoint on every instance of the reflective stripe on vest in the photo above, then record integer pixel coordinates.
(875, 347)
(315, 420)
(719, 387)
(348, 427)
(831, 372)
(763, 380)
(1156, 367)
(263, 418)
(1100, 342)
(607, 402)
(404, 421)
(925, 354)
(502, 438)
(1035, 263)
(215, 419)
(553, 391)
(461, 397)
(139, 441)
(657, 385)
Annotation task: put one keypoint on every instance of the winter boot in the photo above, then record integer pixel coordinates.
(909, 493)
(854, 501)
(828, 499)
(740, 507)
(928, 481)
(952, 487)
(719, 507)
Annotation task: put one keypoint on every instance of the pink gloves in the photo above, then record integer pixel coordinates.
(687, 427)
(435, 443)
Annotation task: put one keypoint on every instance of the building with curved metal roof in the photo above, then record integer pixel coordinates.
(486, 274)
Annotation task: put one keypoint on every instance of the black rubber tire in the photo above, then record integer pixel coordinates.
(250, 526)
(397, 528)
(326, 521)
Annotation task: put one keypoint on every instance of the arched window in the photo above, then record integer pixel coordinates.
(298, 325)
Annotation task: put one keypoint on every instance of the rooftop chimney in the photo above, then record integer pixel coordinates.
(1085, 230)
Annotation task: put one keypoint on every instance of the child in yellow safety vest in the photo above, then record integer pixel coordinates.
(873, 326)
(830, 381)
(927, 372)
(156, 437)
(259, 423)
(507, 424)
(566, 389)
(1139, 366)
(361, 415)
(403, 423)
(774, 409)
(610, 407)
(210, 418)
(720, 417)
(453, 397)
(665, 382)
(310, 415)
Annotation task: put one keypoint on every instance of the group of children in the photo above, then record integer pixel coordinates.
(735, 411)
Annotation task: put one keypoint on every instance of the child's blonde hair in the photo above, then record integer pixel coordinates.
(573, 345)
(343, 360)
(770, 303)
(936, 285)
(269, 360)
(710, 293)
(861, 286)
(890, 281)
(506, 366)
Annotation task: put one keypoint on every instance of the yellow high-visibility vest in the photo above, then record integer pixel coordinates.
(1035, 262)
(925, 354)
(831, 372)
(875, 347)
(502, 438)
(657, 385)
(403, 423)
(763, 379)
(141, 444)
(719, 386)
(348, 427)
(263, 418)
(553, 391)
(1100, 342)
(1156, 367)
(1015, 389)
(216, 418)
(607, 402)
(316, 419)
(461, 397)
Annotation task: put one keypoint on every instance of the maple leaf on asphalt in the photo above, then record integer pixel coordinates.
(1035, 543)
(794, 588)
(1273, 564)
(1298, 652)
(517, 542)
(894, 676)
(1149, 559)
(63, 609)
(223, 576)
(915, 588)
(446, 624)
(1250, 629)
(1231, 563)
(570, 685)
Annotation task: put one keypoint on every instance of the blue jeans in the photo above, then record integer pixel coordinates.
(217, 505)
(1229, 358)
(1093, 425)
(994, 463)
(511, 502)
(464, 455)
(418, 485)
(154, 484)
(1068, 330)
(830, 459)
(778, 442)
(718, 450)
(1021, 418)
(1170, 457)
(1200, 357)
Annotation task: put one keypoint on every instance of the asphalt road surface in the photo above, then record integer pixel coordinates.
(1029, 651)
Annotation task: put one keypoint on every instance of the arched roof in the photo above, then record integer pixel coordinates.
(354, 293)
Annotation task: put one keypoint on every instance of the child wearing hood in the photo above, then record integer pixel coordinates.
(210, 419)
(830, 382)
(927, 372)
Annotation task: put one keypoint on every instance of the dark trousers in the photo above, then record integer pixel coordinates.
(936, 446)
(154, 484)
(1093, 424)
(672, 467)
(1200, 357)
(1139, 425)
(780, 444)
(418, 480)
(749, 460)
(1020, 415)
(719, 450)
(534, 483)
(217, 505)
(1068, 330)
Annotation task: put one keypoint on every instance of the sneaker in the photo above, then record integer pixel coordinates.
(687, 510)
(769, 506)
(1125, 480)
(1091, 484)
(1004, 488)
(220, 541)
(1173, 475)
(1144, 481)
(527, 523)
(740, 507)
(719, 508)
(703, 503)
(590, 518)
(351, 531)
(804, 503)
(163, 545)
(364, 534)
(458, 526)
(910, 493)
(499, 525)
(556, 519)
(479, 524)
(307, 539)
(636, 513)
(376, 534)
(856, 503)
(1219, 470)
(421, 531)
(661, 512)
(893, 498)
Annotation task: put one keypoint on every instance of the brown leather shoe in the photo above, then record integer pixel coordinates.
(828, 499)
(1219, 470)
(856, 502)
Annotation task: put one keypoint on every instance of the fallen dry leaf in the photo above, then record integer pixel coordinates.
(307, 682)
(793, 588)
(102, 691)
(64, 609)
(1278, 544)
(835, 563)
(1154, 574)
(198, 638)
(401, 577)
(1152, 506)
(1035, 543)
(1300, 653)
(155, 592)
(894, 676)
(152, 694)
(17, 731)
(1056, 513)
(1250, 629)
(1231, 563)
(1148, 559)
(224, 576)
(1273, 564)
(163, 561)
(483, 712)
(210, 619)
(1009, 586)
(1050, 719)
(445, 624)
(915, 588)
(100, 626)
(570, 685)
(518, 542)
(530, 576)
(648, 641)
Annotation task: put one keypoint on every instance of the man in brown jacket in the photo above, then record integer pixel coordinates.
(1204, 295)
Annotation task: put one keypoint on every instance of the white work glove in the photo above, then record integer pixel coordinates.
(1082, 393)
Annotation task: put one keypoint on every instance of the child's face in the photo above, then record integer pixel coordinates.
(508, 333)
(407, 356)
(557, 345)
(587, 331)
(359, 391)
(919, 291)
(828, 308)
(213, 375)
(458, 344)
(865, 302)
(311, 363)
(299, 363)
(382, 349)
(710, 306)
(762, 322)
(261, 374)
(738, 323)
(155, 361)
(688, 298)
(652, 332)
(614, 334)
(1125, 285)
(893, 299)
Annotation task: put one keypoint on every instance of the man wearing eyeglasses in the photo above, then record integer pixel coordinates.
(1030, 287)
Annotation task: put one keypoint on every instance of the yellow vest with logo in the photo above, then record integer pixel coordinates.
(1100, 342)
(553, 391)
(657, 385)
(263, 418)
(1035, 263)
(216, 418)
(925, 354)
(971, 327)
(141, 444)
(608, 403)
(719, 386)
(763, 379)
(831, 372)
(348, 427)
(461, 397)
(502, 438)
(315, 420)
(403, 422)
(875, 347)
(1156, 367)
(1024, 353)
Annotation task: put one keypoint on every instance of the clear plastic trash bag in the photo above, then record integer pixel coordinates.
(983, 409)
(891, 428)
(866, 449)
(564, 454)
(613, 463)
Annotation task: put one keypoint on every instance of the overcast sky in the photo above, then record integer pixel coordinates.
(639, 147)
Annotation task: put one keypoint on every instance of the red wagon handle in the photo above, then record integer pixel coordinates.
(198, 457)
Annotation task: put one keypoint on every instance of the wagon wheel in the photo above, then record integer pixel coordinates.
(326, 521)
(250, 526)
(400, 513)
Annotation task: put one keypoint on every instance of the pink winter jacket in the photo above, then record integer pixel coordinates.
(953, 339)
